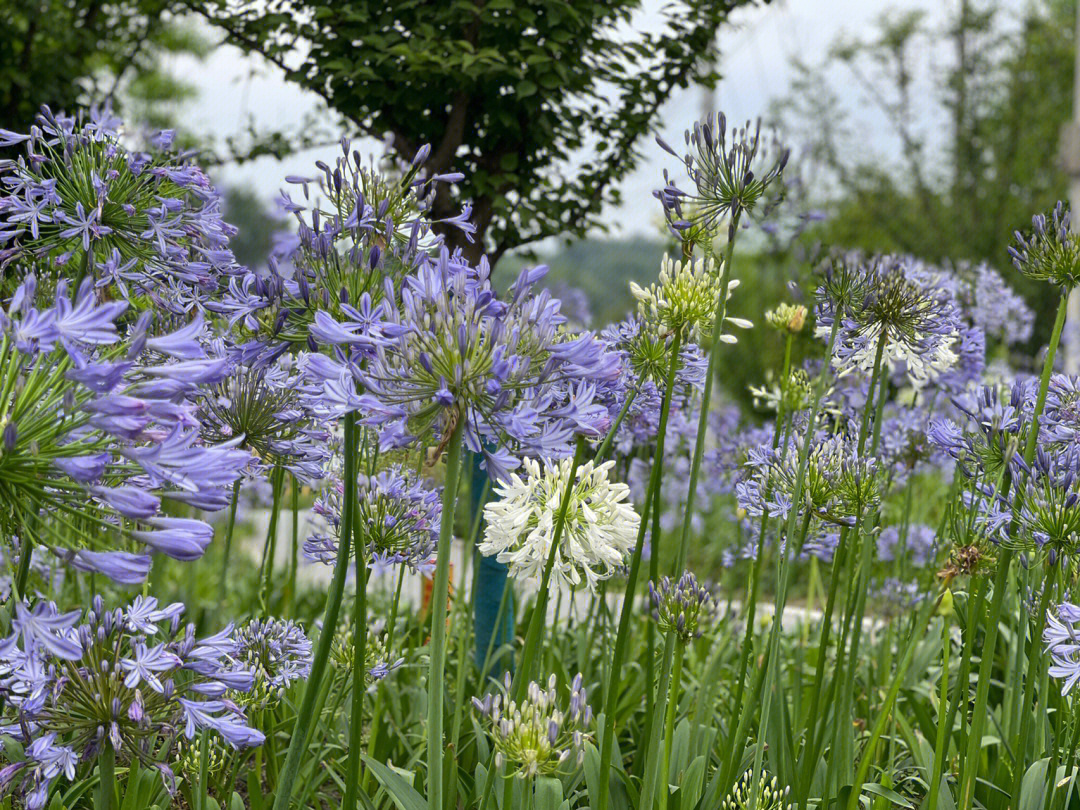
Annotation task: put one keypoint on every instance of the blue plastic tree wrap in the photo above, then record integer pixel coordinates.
(490, 581)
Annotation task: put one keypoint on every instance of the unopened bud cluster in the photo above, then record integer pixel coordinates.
(766, 795)
(684, 608)
(537, 737)
(787, 317)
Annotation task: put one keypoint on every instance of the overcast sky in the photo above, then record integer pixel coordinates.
(756, 52)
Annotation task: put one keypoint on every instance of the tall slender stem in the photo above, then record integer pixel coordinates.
(706, 394)
(439, 593)
(359, 673)
(306, 716)
(941, 742)
(228, 537)
(294, 559)
(1001, 579)
(669, 720)
(622, 637)
(270, 546)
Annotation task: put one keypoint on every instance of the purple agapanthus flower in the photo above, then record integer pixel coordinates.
(81, 198)
(58, 698)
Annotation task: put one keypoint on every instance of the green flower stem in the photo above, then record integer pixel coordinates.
(436, 683)
(669, 721)
(650, 629)
(1074, 741)
(270, 546)
(294, 562)
(22, 573)
(706, 394)
(885, 714)
(229, 527)
(865, 534)
(306, 716)
(783, 569)
(1033, 658)
(942, 739)
(1001, 578)
(782, 575)
(622, 636)
(380, 690)
(465, 609)
(653, 746)
(359, 668)
(605, 445)
(535, 633)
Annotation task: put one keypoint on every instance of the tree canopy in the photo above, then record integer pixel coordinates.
(70, 55)
(540, 103)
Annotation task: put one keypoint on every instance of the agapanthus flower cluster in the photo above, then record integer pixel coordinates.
(1052, 252)
(378, 658)
(1048, 518)
(277, 652)
(645, 357)
(356, 228)
(143, 223)
(97, 431)
(893, 307)
(838, 487)
(685, 297)
(398, 514)
(456, 354)
(728, 177)
(684, 608)
(999, 418)
(599, 531)
(538, 737)
(262, 406)
(992, 305)
(1063, 644)
(917, 544)
(1059, 425)
(132, 678)
(766, 795)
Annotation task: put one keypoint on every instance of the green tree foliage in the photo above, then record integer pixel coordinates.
(956, 192)
(255, 226)
(540, 103)
(72, 54)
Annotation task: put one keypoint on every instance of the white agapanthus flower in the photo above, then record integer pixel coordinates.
(685, 297)
(601, 525)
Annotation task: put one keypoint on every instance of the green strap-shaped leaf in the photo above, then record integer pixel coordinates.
(403, 794)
